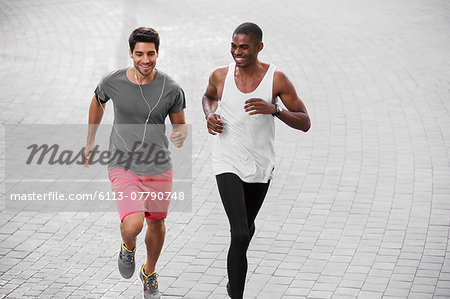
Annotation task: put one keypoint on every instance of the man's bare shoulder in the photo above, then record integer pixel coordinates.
(219, 74)
(280, 79)
(279, 75)
(281, 83)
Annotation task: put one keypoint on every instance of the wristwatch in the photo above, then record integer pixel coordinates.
(279, 109)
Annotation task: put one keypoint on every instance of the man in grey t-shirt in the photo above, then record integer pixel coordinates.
(140, 161)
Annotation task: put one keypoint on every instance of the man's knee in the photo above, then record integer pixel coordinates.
(156, 225)
(154, 228)
(132, 224)
(240, 238)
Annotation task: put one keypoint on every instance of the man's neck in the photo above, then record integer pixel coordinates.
(141, 80)
(250, 70)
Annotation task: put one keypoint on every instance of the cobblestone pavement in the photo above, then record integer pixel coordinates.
(359, 206)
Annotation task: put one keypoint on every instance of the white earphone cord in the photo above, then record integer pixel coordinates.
(149, 113)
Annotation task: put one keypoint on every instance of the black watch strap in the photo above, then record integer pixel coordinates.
(278, 110)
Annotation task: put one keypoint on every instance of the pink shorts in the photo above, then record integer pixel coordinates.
(141, 193)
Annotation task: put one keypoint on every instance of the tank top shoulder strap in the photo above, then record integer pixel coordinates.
(266, 85)
(270, 75)
(228, 84)
(271, 71)
(230, 74)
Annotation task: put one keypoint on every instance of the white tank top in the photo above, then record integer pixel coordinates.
(246, 146)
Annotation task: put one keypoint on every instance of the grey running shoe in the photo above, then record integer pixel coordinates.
(126, 261)
(150, 283)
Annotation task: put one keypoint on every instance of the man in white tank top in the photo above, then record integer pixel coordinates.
(240, 105)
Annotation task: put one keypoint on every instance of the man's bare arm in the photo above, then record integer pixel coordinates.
(296, 116)
(210, 102)
(96, 111)
(180, 130)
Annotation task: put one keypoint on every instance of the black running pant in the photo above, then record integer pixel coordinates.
(242, 202)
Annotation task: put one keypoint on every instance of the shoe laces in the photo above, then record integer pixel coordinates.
(153, 279)
(130, 258)
(127, 256)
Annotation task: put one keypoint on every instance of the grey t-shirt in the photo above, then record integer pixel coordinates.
(130, 115)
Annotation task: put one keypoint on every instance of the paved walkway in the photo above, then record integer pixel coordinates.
(360, 205)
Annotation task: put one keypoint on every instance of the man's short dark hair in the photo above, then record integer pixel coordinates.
(249, 28)
(144, 35)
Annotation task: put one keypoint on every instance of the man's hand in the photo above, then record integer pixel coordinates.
(88, 151)
(178, 134)
(214, 124)
(259, 106)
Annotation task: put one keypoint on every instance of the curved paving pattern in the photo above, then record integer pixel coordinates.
(359, 207)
